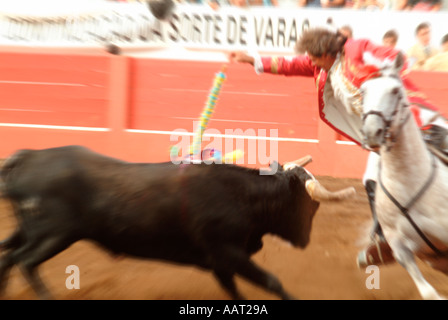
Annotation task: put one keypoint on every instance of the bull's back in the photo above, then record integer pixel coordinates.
(38, 172)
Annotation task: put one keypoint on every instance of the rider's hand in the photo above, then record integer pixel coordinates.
(241, 57)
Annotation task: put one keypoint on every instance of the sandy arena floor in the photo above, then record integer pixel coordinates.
(326, 269)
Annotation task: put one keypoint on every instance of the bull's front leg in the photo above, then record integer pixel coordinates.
(226, 279)
(252, 272)
(234, 260)
(406, 259)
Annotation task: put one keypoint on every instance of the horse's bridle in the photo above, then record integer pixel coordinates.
(389, 137)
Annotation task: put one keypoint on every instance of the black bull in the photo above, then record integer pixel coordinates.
(211, 216)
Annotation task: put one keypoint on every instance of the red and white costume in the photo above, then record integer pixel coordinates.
(339, 98)
(339, 87)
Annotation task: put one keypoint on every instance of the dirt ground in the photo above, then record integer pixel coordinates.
(325, 270)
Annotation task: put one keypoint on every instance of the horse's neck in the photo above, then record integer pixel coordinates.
(408, 157)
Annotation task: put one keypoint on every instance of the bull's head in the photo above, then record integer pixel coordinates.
(317, 191)
(297, 227)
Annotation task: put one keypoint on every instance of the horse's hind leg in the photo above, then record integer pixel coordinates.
(406, 258)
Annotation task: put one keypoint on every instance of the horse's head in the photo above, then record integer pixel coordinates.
(384, 102)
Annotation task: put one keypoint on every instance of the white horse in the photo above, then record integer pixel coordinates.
(412, 188)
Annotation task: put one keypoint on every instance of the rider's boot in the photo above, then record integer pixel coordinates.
(378, 252)
(436, 136)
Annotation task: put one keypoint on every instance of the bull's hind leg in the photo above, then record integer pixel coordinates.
(6, 263)
(13, 241)
(7, 260)
(32, 254)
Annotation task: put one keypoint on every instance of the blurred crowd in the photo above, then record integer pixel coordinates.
(409, 5)
(425, 56)
(406, 5)
(421, 56)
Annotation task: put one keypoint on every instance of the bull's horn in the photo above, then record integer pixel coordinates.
(298, 163)
(319, 193)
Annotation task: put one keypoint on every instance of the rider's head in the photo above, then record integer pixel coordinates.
(322, 46)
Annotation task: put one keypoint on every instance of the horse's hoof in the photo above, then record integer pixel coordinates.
(361, 260)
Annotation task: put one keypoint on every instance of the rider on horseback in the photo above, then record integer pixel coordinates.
(339, 67)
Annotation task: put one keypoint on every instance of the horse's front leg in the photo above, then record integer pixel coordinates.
(406, 258)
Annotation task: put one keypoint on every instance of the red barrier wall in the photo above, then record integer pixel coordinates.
(128, 107)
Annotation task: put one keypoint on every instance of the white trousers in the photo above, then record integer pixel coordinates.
(371, 172)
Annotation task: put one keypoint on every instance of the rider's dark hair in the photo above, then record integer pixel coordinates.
(320, 41)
